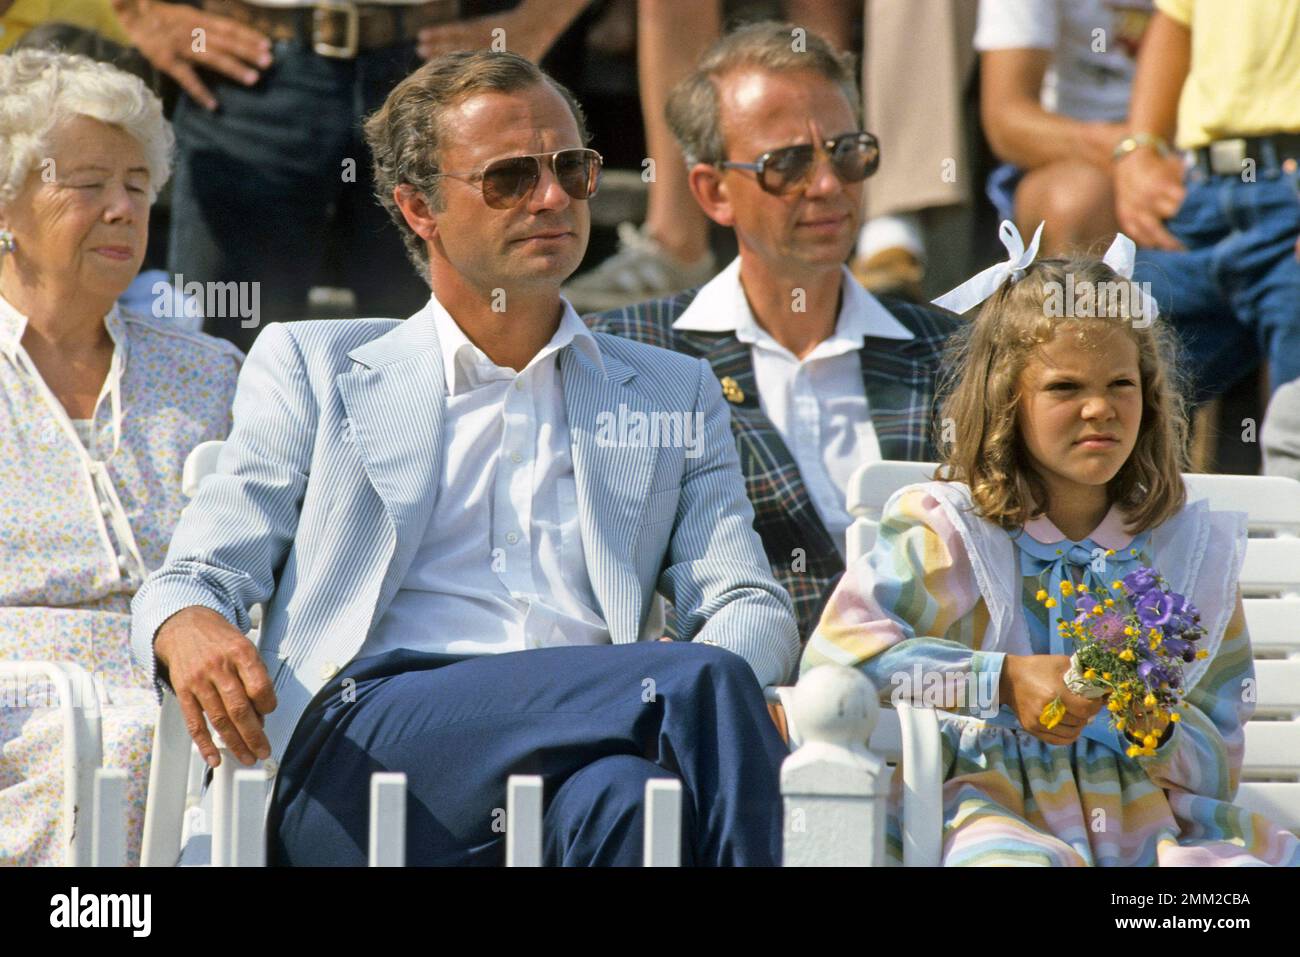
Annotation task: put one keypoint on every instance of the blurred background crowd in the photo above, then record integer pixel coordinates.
(984, 109)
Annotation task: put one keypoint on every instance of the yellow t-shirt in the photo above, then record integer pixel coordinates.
(92, 14)
(1244, 78)
(1245, 70)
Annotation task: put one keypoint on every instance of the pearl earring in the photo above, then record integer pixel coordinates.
(7, 244)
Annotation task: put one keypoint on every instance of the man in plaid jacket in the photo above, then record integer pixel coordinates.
(821, 376)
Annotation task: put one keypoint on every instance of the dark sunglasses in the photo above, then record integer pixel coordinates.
(853, 156)
(508, 182)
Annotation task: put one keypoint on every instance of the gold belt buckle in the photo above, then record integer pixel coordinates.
(351, 33)
(1227, 156)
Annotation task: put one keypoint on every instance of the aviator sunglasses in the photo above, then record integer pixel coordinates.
(853, 156)
(508, 182)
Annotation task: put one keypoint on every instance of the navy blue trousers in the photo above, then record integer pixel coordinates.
(596, 722)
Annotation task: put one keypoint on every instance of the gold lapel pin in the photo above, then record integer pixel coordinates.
(731, 391)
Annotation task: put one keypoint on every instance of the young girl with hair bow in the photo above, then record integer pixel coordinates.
(1066, 441)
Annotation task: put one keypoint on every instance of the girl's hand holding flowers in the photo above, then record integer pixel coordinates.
(1031, 683)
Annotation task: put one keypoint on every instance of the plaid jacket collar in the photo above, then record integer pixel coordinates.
(732, 358)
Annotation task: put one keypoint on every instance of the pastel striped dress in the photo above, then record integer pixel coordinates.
(912, 607)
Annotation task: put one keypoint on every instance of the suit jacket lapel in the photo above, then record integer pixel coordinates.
(395, 402)
(731, 358)
(888, 392)
(613, 479)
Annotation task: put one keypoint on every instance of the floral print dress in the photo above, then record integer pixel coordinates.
(81, 525)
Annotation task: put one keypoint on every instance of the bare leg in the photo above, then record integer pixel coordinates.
(1075, 200)
(671, 36)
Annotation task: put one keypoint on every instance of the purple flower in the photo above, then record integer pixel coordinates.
(1179, 648)
(1084, 605)
(1151, 674)
(1154, 608)
(1109, 629)
(1140, 581)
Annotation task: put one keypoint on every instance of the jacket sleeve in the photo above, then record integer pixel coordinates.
(232, 539)
(909, 615)
(717, 575)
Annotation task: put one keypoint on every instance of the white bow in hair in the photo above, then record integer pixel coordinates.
(1120, 257)
(984, 284)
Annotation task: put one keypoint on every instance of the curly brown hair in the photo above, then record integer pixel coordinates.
(978, 428)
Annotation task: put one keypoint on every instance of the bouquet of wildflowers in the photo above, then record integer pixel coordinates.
(1132, 644)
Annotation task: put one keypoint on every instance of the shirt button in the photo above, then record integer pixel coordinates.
(123, 563)
(516, 457)
(512, 538)
(271, 766)
(106, 509)
(519, 384)
(328, 670)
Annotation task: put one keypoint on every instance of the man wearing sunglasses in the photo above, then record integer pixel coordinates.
(821, 375)
(460, 551)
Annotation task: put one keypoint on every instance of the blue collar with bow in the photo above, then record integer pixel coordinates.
(1091, 562)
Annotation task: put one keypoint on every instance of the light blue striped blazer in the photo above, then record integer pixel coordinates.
(327, 483)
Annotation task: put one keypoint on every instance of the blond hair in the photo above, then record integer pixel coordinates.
(981, 397)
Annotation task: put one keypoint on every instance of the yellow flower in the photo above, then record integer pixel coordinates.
(1113, 705)
(1129, 631)
(1050, 603)
(1133, 751)
(1109, 602)
(1041, 595)
(1097, 611)
(1083, 588)
(1174, 716)
(1105, 676)
(1202, 654)
(1149, 701)
(1089, 674)
(1067, 589)
(1052, 714)
(1149, 741)
(1117, 585)
(1154, 643)
(1126, 655)
(1110, 552)
(1119, 724)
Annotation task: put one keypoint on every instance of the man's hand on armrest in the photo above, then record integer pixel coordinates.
(215, 670)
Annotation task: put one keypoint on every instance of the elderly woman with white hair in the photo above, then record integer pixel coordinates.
(98, 410)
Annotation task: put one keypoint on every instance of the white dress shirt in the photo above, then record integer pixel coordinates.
(501, 567)
(818, 403)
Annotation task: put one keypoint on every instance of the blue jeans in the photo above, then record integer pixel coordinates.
(262, 181)
(596, 722)
(1234, 295)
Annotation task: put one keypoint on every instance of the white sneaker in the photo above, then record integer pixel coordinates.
(641, 269)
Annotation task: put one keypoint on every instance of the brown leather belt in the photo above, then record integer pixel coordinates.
(340, 29)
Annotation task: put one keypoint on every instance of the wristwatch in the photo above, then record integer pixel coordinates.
(1138, 140)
